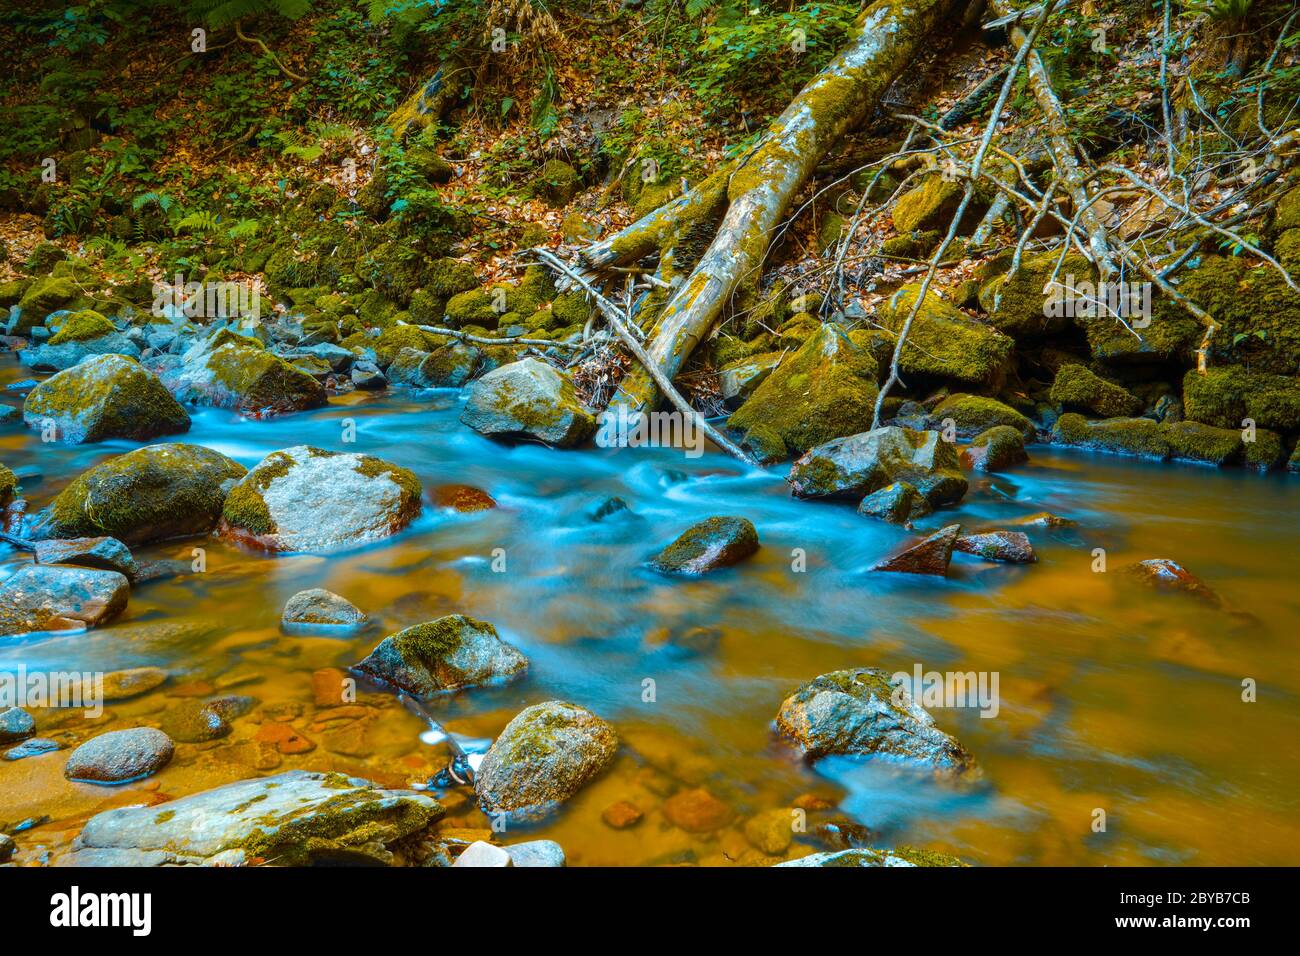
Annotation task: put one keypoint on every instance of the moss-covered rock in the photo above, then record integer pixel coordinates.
(898, 503)
(972, 414)
(860, 464)
(542, 758)
(945, 343)
(43, 297)
(556, 183)
(1141, 437)
(308, 499)
(81, 326)
(707, 545)
(248, 380)
(528, 398)
(825, 390)
(931, 205)
(1019, 305)
(995, 450)
(1264, 450)
(1228, 395)
(9, 486)
(1076, 387)
(150, 494)
(871, 857)
(11, 292)
(393, 340)
(1258, 316)
(108, 396)
(447, 654)
(1193, 441)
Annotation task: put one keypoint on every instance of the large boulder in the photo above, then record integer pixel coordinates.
(542, 758)
(56, 598)
(1140, 437)
(1228, 395)
(825, 390)
(860, 464)
(447, 654)
(308, 499)
(1078, 388)
(994, 450)
(712, 543)
(42, 297)
(107, 396)
(297, 818)
(528, 398)
(150, 494)
(945, 343)
(860, 712)
(247, 379)
(120, 756)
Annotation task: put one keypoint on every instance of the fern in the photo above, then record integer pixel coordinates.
(198, 222)
(244, 229)
(163, 200)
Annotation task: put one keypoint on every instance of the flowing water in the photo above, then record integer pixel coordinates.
(1111, 697)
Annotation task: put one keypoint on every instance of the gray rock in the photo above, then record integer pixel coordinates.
(860, 712)
(120, 756)
(32, 747)
(899, 503)
(480, 853)
(860, 464)
(307, 499)
(108, 396)
(15, 724)
(242, 377)
(542, 758)
(292, 819)
(1011, 547)
(712, 543)
(367, 377)
(447, 654)
(56, 358)
(103, 553)
(995, 449)
(125, 684)
(59, 598)
(528, 398)
(321, 607)
(540, 853)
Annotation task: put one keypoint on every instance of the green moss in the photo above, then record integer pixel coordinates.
(944, 342)
(1018, 306)
(825, 390)
(83, 326)
(43, 297)
(571, 308)
(399, 337)
(1141, 437)
(556, 183)
(448, 277)
(404, 478)
(1196, 442)
(1265, 452)
(1287, 215)
(931, 205)
(108, 396)
(972, 414)
(919, 857)
(9, 486)
(150, 494)
(1257, 314)
(1287, 251)
(1228, 395)
(1077, 387)
(43, 257)
(259, 383)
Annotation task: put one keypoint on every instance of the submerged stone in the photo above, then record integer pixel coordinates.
(104, 553)
(318, 606)
(1167, 575)
(869, 857)
(1011, 547)
(898, 503)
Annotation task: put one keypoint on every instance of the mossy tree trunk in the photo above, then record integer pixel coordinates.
(753, 194)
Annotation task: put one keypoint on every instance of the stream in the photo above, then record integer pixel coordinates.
(1111, 696)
